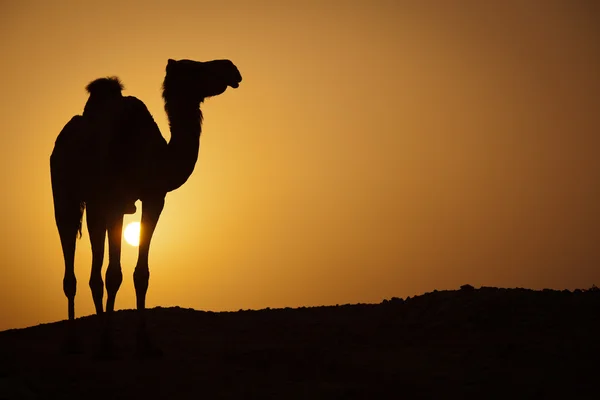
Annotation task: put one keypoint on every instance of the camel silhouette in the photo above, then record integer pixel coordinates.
(112, 155)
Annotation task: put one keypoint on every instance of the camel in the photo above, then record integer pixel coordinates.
(112, 155)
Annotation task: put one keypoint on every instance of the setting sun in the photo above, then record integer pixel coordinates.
(132, 233)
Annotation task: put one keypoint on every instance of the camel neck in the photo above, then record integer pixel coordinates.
(185, 122)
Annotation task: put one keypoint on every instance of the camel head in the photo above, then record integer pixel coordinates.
(195, 80)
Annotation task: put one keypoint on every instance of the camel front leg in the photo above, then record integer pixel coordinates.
(151, 209)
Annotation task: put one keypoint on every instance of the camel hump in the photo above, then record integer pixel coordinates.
(105, 97)
(105, 87)
(136, 121)
(133, 134)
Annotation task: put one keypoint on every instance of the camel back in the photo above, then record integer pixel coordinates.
(113, 147)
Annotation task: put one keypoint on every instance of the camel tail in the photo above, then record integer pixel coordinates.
(81, 210)
(68, 211)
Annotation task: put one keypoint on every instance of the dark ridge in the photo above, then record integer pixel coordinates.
(486, 342)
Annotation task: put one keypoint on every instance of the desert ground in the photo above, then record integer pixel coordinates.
(486, 343)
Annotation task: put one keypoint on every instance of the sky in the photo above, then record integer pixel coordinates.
(373, 149)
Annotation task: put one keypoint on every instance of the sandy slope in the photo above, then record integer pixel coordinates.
(487, 343)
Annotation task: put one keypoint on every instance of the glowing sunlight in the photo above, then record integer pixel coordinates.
(132, 233)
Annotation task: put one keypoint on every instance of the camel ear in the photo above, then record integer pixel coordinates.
(170, 65)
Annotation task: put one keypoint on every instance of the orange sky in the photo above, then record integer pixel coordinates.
(374, 148)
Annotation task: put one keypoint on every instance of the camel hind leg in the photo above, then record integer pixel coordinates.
(68, 221)
(96, 223)
(113, 222)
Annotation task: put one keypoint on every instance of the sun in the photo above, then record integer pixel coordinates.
(132, 233)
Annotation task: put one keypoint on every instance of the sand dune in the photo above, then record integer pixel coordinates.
(487, 342)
